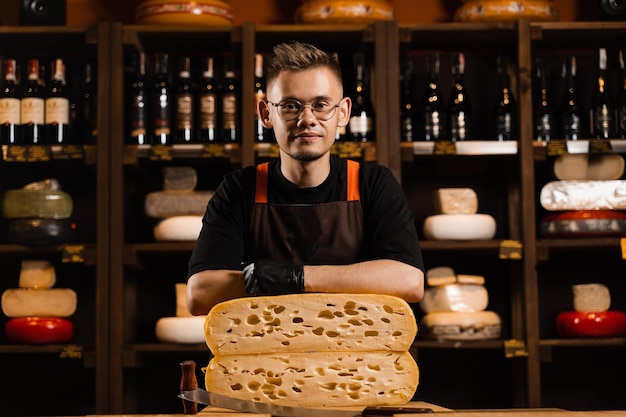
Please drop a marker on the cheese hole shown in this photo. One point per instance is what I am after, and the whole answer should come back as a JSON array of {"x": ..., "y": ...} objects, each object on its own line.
[
  {"x": 320, "y": 371},
  {"x": 338, "y": 313},
  {"x": 371, "y": 333},
  {"x": 285, "y": 343},
  {"x": 388, "y": 309},
  {"x": 297, "y": 320},
  {"x": 373, "y": 367},
  {"x": 253, "y": 319},
  {"x": 326, "y": 314},
  {"x": 385, "y": 320},
  {"x": 354, "y": 387},
  {"x": 355, "y": 322},
  {"x": 332, "y": 334},
  {"x": 279, "y": 309},
  {"x": 236, "y": 387},
  {"x": 253, "y": 386},
  {"x": 296, "y": 389},
  {"x": 236, "y": 321},
  {"x": 354, "y": 396},
  {"x": 397, "y": 333},
  {"x": 369, "y": 322},
  {"x": 329, "y": 386},
  {"x": 319, "y": 331},
  {"x": 275, "y": 381},
  {"x": 258, "y": 371},
  {"x": 268, "y": 389}
]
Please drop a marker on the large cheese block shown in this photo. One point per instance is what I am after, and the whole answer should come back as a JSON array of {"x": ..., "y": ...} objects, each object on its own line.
[
  {"x": 594, "y": 167},
  {"x": 459, "y": 227},
  {"x": 42, "y": 232},
  {"x": 316, "y": 379},
  {"x": 37, "y": 274},
  {"x": 49, "y": 204},
  {"x": 178, "y": 228},
  {"x": 183, "y": 330},
  {"x": 455, "y": 297},
  {"x": 591, "y": 297},
  {"x": 455, "y": 201},
  {"x": 164, "y": 204},
  {"x": 584, "y": 195},
  {"x": 478, "y": 325},
  {"x": 53, "y": 302},
  {"x": 312, "y": 321}
]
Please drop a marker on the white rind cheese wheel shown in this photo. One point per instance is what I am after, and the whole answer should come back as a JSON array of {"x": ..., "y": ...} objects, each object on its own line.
[
  {"x": 460, "y": 227},
  {"x": 577, "y": 167},
  {"x": 455, "y": 201},
  {"x": 53, "y": 302},
  {"x": 455, "y": 297},
  {"x": 178, "y": 228},
  {"x": 479, "y": 325},
  {"x": 184, "y": 330},
  {"x": 310, "y": 322},
  {"x": 316, "y": 379},
  {"x": 591, "y": 297},
  {"x": 37, "y": 274},
  {"x": 440, "y": 275},
  {"x": 164, "y": 204},
  {"x": 584, "y": 195}
]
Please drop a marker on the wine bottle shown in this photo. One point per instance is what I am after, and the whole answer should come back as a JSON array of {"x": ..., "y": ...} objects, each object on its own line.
[
  {"x": 57, "y": 113},
  {"x": 621, "y": 107},
  {"x": 230, "y": 103},
  {"x": 261, "y": 133},
  {"x": 506, "y": 106},
  {"x": 570, "y": 112},
  {"x": 185, "y": 104},
  {"x": 32, "y": 107},
  {"x": 460, "y": 118},
  {"x": 434, "y": 108},
  {"x": 207, "y": 99},
  {"x": 601, "y": 112},
  {"x": 545, "y": 126},
  {"x": 362, "y": 119},
  {"x": 408, "y": 108},
  {"x": 162, "y": 102},
  {"x": 137, "y": 117},
  {"x": 9, "y": 105},
  {"x": 87, "y": 109}
]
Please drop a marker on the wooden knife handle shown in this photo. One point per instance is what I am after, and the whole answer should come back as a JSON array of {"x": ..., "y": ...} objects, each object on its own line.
[
  {"x": 390, "y": 411},
  {"x": 188, "y": 382}
]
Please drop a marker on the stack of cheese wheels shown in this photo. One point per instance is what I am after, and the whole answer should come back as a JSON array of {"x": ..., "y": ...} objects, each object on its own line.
[
  {"x": 38, "y": 312},
  {"x": 178, "y": 207},
  {"x": 591, "y": 316},
  {"x": 183, "y": 327},
  {"x": 39, "y": 214},
  {"x": 455, "y": 307},
  {"x": 588, "y": 199},
  {"x": 313, "y": 350},
  {"x": 457, "y": 217}
]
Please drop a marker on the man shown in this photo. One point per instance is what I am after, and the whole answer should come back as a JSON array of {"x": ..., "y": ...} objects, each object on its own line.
[{"x": 307, "y": 221}]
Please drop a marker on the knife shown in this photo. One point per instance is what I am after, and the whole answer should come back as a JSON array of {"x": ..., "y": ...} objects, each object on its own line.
[{"x": 210, "y": 398}]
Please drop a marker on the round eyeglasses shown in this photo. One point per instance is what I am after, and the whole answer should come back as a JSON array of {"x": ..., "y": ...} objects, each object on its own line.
[{"x": 289, "y": 110}]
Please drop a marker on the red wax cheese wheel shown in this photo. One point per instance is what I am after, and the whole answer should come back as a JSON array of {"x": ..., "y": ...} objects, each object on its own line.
[
  {"x": 610, "y": 323},
  {"x": 39, "y": 330},
  {"x": 584, "y": 223}
]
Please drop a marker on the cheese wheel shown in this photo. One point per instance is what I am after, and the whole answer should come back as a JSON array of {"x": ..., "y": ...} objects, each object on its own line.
[
  {"x": 311, "y": 321},
  {"x": 455, "y": 297},
  {"x": 591, "y": 297},
  {"x": 594, "y": 167},
  {"x": 479, "y": 325},
  {"x": 460, "y": 227},
  {"x": 53, "y": 302},
  {"x": 49, "y": 204},
  {"x": 164, "y": 204},
  {"x": 455, "y": 201},
  {"x": 584, "y": 223},
  {"x": 316, "y": 379},
  {"x": 42, "y": 232},
  {"x": 584, "y": 195},
  {"x": 39, "y": 330},
  {"x": 184, "y": 330},
  {"x": 440, "y": 275},
  {"x": 178, "y": 228},
  {"x": 37, "y": 274},
  {"x": 179, "y": 178},
  {"x": 610, "y": 323}
]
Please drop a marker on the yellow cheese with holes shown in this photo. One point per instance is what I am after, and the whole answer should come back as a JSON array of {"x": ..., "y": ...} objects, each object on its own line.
[
  {"x": 310, "y": 322},
  {"x": 316, "y": 379}
]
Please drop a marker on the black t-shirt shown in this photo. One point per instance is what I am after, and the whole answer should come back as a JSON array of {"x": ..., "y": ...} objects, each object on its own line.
[{"x": 389, "y": 230}]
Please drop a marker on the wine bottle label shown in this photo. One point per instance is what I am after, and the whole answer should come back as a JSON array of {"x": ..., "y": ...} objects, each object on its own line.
[
  {"x": 602, "y": 121},
  {"x": 433, "y": 127},
  {"x": 9, "y": 111},
  {"x": 208, "y": 111},
  {"x": 184, "y": 112},
  {"x": 360, "y": 124},
  {"x": 229, "y": 112},
  {"x": 33, "y": 110},
  {"x": 57, "y": 110}
]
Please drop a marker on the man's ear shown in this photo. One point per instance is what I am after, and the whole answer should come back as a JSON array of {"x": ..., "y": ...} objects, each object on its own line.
[
  {"x": 263, "y": 110},
  {"x": 345, "y": 107}
]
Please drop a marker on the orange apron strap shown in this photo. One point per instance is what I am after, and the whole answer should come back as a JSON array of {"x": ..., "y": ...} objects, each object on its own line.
[
  {"x": 353, "y": 181},
  {"x": 261, "y": 183}
]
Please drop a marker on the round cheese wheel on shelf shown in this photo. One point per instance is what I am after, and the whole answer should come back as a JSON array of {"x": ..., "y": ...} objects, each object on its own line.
[
  {"x": 459, "y": 227},
  {"x": 205, "y": 12},
  {"x": 178, "y": 228},
  {"x": 42, "y": 232},
  {"x": 478, "y": 325},
  {"x": 39, "y": 330},
  {"x": 584, "y": 223},
  {"x": 595, "y": 167},
  {"x": 611, "y": 323},
  {"x": 185, "y": 330},
  {"x": 455, "y": 297},
  {"x": 49, "y": 204},
  {"x": 344, "y": 11}
]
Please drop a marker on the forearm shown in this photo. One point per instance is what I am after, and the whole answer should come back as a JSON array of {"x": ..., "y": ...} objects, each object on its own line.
[
  {"x": 383, "y": 276},
  {"x": 207, "y": 288}
]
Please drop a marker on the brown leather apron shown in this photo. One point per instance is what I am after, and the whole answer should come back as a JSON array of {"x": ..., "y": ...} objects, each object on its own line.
[{"x": 317, "y": 234}]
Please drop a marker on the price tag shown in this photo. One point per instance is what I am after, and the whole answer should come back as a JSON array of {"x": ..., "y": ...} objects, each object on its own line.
[
  {"x": 71, "y": 352},
  {"x": 73, "y": 254},
  {"x": 161, "y": 153},
  {"x": 213, "y": 150},
  {"x": 510, "y": 249},
  {"x": 557, "y": 147},
  {"x": 15, "y": 153},
  {"x": 444, "y": 147},
  {"x": 34, "y": 153},
  {"x": 514, "y": 349},
  {"x": 348, "y": 150},
  {"x": 69, "y": 152},
  {"x": 600, "y": 146}
]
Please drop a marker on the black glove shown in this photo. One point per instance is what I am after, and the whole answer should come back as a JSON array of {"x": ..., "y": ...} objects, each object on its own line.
[{"x": 270, "y": 277}]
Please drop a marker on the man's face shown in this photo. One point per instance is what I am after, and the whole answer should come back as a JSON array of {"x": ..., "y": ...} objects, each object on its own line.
[{"x": 306, "y": 138}]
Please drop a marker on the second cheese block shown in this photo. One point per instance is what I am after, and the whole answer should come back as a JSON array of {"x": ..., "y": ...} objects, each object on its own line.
[
  {"x": 455, "y": 201},
  {"x": 53, "y": 302},
  {"x": 316, "y": 379},
  {"x": 307, "y": 322},
  {"x": 463, "y": 298},
  {"x": 460, "y": 227},
  {"x": 37, "y": 274}
]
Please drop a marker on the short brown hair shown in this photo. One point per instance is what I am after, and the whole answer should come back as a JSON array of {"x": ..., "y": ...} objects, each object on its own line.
[{"x": 298, "y": 56}]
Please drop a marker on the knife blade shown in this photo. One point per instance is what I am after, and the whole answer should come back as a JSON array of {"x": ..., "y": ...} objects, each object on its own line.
[{"x": 210, "y": 398}]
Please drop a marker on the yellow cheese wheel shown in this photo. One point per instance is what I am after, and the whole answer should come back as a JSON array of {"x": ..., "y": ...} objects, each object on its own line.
[{"x": 310, "y": 322}]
